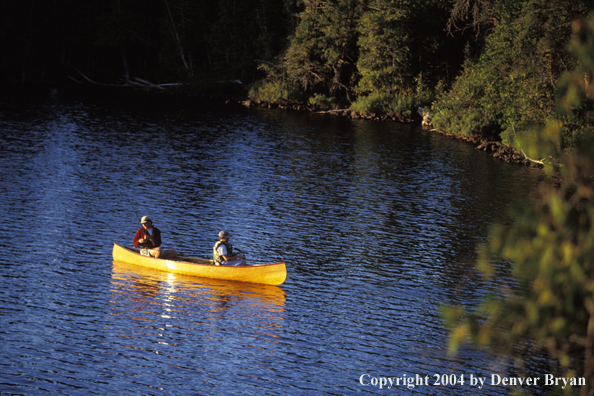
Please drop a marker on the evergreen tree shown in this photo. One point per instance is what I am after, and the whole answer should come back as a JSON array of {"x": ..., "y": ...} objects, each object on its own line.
[
  {"x": 384, "y": 63},
  {"x": 322, "y": 53}
]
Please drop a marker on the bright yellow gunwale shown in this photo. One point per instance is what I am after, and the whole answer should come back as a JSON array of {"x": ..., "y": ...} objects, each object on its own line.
[{"x": 268, "y": 274}]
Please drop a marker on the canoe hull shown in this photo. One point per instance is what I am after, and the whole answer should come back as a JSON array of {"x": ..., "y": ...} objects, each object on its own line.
[{"x": 269, "y": 274}]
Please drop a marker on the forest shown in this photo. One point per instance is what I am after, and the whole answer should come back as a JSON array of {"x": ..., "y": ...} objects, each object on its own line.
[{"x": 478, "y": 66}]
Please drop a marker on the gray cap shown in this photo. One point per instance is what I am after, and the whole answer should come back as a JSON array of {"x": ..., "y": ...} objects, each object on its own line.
[{"x": 224, "y": 234}]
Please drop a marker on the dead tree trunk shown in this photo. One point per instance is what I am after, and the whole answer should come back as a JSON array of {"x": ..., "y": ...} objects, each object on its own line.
[{"x": 179, "y": 45}]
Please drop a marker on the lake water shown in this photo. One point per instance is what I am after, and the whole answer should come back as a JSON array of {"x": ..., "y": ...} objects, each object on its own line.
[{"x": 378, "y": 223}]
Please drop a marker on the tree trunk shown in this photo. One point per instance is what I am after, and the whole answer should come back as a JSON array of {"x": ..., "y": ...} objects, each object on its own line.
[{"x": 181, "y": 51}]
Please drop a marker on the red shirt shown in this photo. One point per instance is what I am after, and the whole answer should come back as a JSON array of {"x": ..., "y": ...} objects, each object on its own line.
[{"x": 143, "y": 234}]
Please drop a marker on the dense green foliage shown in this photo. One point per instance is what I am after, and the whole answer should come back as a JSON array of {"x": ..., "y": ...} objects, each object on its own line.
[
  {"x": 485, "y": 66},
  {"x": 514, "y": 78},
  {"x": 482, "y": 66},
  {"x": 322, "y": 51},
  {"x": 550, "y": 306},
  {"x": 384, "y": 43},
  {"x": 379, "y": 55}
]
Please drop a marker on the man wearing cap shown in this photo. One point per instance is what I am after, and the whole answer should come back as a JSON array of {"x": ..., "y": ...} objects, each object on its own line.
[
  {"x": 222, "y": 252},
  {"x": 149, "y": 240}
]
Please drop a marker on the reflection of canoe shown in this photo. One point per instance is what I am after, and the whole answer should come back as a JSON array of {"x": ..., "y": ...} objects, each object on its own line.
[
  {"x": 271, "y": 297},
  {"x": 269, "y": 274},
  {"x": 150, "y": 298}
]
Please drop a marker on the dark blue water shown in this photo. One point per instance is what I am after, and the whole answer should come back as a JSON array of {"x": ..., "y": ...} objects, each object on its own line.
[{"x": 378, "y": 223}]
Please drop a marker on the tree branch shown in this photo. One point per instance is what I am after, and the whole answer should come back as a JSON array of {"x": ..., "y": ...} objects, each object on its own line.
[
  {"x": 541, "y": 162},
  {"x": 181, "y": 51},
  {"x": 135, "y": 81}
]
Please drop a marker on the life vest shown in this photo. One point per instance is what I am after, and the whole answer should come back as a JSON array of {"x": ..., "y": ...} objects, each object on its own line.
[{"x": 215, "y": 254}]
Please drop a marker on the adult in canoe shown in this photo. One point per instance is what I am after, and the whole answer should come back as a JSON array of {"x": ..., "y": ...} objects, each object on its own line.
[
  {"x": 222, "y": 252},
  {"x": 148, "y": 238}
]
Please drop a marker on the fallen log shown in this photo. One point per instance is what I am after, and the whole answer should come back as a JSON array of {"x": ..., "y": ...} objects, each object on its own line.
[{"x": 135, "y": 81}]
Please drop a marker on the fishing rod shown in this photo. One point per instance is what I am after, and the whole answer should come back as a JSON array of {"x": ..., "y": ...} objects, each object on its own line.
[
  {"x": 132, "y": 206},
  {"x": 129, "y": 201}
]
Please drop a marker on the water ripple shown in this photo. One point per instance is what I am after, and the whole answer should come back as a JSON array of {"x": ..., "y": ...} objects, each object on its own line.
[{"x": 378, "y": 223}]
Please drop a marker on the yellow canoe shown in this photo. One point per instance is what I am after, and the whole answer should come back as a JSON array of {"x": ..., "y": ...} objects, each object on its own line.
[{"x": 268, "y": 274}]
